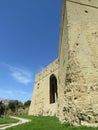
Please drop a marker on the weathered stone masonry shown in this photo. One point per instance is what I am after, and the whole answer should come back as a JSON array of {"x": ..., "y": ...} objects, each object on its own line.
[
  {"x": 76, "y": 99},
  {"x": 44, "y": 100}
]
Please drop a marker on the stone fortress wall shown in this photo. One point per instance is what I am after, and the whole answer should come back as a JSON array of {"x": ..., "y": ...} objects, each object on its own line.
[
  {"x": 78, "y": 62},
  {"x": 40, "y": 104},
  {"x": 77, "y": 76}
]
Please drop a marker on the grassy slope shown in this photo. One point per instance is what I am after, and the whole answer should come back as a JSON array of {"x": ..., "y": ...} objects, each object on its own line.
[
  {"x": 46, "y": 123},
  {"x": 7, "y": 120}
]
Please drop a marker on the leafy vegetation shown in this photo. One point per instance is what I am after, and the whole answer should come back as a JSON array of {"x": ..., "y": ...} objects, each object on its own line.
[
  {"x": 27, "y": 103},
  {"x": 13, "y": 107},
  {"x": 1, "y": 108},
  {"x": 7, "y": 120},
  {"x": 47, "y": 123}
]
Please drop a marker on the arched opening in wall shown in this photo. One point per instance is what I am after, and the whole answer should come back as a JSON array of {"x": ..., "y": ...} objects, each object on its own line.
[{"x": 53, "y": 89}]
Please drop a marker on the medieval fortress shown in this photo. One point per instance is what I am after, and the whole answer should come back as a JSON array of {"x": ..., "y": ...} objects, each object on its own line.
[{"x": 68, "y": 87}]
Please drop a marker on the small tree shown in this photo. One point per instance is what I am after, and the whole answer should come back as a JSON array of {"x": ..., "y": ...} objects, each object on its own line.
[
  {"x": 27, "y": 103},
  {"x": 2, "y": 108},
  {"x": 12, "y": 106}
]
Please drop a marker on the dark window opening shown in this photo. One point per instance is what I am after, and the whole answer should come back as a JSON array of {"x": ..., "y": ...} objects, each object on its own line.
[{"x": 53, "y": 89}]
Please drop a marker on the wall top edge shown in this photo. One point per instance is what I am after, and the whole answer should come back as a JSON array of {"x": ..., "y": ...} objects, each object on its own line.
[
  {"x": 52, "y": 65},
  {"x": 92, "y": 3}
]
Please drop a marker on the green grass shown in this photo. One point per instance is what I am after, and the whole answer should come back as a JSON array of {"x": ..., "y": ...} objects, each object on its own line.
[
  {"x": 46, "y": 123},
  {"x": 7, "y": 120}
]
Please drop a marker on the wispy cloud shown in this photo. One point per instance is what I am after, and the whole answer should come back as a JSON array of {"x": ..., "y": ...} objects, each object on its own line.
[{"x": 19, "y": 74}]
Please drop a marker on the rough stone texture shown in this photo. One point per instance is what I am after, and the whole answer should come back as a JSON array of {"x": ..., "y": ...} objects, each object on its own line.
[
  {"x": 40, "y": 104},
  {"x": 78, "y": 66},
  {"x": 80, "y": 80}
]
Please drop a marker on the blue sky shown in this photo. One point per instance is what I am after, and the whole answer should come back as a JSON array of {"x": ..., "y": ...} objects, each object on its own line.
[{"x": 29, "y": 37}]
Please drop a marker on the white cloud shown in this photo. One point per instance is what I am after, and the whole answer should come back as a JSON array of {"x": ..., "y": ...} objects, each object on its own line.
[{"x": 21, "y": 75}]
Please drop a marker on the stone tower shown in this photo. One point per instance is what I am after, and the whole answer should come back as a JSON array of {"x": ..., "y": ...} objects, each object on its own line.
[
  {"x": 75, "y": 70},
  {"x": 78, "y": 62}
]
